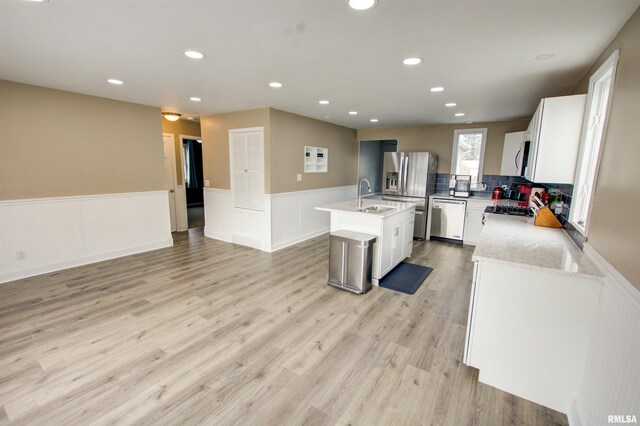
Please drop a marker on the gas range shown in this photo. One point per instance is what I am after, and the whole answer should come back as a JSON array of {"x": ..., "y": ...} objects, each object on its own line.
[{"x": 510, "y": 210}]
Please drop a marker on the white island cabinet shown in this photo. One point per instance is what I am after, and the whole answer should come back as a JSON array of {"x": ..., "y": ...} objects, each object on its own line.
[
  {"x": 532, "y": 311},
  {"x": 392, "y": 228}
]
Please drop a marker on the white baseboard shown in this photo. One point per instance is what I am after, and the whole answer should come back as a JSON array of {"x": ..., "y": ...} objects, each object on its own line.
[
  {"x": 72, "y": 263},
  {"x": 298, "y": 239},
  {"x": 217, "y": 235},
  {"x": 48, "y": 234}
]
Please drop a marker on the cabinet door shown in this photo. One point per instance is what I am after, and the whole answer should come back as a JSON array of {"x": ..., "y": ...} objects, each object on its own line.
[
  {"x": 530, "y": 167},
  {"x": 473, "y": 223},
  {"x": 397, "y": 243},
  {"x": 407, "y": 240},
  {"x": 386, "y": 254},
  {"x": 512, "y": 154}
]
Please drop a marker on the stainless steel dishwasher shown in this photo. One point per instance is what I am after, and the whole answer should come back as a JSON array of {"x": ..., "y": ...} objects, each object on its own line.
[{"x": 447, "y": 220}]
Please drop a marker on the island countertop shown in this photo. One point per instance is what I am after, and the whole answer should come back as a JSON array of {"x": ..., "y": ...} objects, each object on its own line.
[
  {"x": 351, "y": 206},
  {"x": 515, "y": 240}
]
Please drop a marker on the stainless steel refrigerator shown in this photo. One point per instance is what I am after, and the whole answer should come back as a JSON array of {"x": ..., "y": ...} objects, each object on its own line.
[{"x": 411, "y": 176}]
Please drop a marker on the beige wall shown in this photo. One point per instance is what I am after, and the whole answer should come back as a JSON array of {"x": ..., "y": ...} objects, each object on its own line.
[
  {"x": 613, "y": 228},
  {"x": 290, "y": 133},
  {"x": 438, "y": 139},
  {"x": 215, "y": 143},
  {"x": 56, "y": 143},
  {"x": 177, "y": 128},
  {"x": 285, "y": 136}
]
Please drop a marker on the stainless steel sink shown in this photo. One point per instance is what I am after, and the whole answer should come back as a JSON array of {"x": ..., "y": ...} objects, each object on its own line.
[{"x": 376, "y": 209}]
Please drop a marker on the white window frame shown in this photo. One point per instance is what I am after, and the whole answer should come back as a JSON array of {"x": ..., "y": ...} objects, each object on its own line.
[
  {"x": 609, "y": 66},
  {"x": 454, "y": 153}
]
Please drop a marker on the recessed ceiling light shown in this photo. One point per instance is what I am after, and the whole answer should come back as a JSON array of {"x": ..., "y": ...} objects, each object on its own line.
[
  {"x": 275, "y": 84},
  {"x": 353, "y": 112},
  {"x": 195, "y": 99},
  {"x": 544, "y": 57},
  {"x": 374, "y": 120},
  {"x": 189, "y": 118},
  {"x": 412, "y": 61},
  {"x": 327, "y": 116},
  {"x": 115, "y": 81},
  {"x": 450, "y": 104},
  {"x": 323, "y": 102},
  {"x": 437, "y": 89},
  {"x": 459, "y": 114},
  {"x": 39, "y": 1},
  {"x": 469, "y": 122},
  {"x": 194, "y": 54},
  {"x": 362, "y": 4}
]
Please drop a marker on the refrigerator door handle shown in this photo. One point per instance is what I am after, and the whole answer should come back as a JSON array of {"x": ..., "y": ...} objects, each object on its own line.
[{"x": 405, "y": 166}]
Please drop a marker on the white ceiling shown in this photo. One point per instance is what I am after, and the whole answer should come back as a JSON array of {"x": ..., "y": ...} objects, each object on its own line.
[{"x": 482, "y": 52}]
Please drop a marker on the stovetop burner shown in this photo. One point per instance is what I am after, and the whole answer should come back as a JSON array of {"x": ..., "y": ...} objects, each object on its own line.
[{"x": 509, "y": 210}]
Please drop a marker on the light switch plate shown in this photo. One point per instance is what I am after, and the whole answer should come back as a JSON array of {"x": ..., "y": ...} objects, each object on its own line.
[
  {"x": 299, "y": 177},
  {"x": 206, "y": 182}
]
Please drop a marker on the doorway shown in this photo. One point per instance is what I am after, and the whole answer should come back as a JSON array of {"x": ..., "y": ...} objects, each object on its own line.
[
  {"x": 371, "y": 160},
  {"x": 193, "y": 180},
  {"x": 170, "y": 174}
]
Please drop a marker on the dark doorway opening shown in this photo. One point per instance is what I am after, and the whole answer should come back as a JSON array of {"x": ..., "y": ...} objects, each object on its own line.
[{"x": 194, "y": 181}]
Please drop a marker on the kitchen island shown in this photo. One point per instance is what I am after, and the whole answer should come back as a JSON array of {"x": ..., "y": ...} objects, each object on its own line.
[
  {"x": 390, "y": 222},
  {"x": 532, "y": 311}
]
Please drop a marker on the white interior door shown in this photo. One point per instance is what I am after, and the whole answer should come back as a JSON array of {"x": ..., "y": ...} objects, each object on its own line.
[{"x": 170, "y": 172}]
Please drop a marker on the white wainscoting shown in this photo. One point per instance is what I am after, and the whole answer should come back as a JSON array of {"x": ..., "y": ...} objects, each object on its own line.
[
  {"x": 48, "y": 234},
  {"x": 294, "y": 217},
  {"x": 288, "y": 217},
  {"x": 611, "y": 385},
  {"x": 239, "y": 226}
]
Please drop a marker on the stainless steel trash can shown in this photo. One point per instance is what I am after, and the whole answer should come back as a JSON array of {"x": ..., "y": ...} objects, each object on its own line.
[{"x": 350, "y": 256}]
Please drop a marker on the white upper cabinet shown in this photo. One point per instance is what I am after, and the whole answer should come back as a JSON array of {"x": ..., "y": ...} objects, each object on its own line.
[
  {"x": 555, "y": 139},
  {"x": 512, "y": 153}
]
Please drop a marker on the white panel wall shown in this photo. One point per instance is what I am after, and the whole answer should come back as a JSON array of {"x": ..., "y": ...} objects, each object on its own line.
[
  {"x": 294, "y": 217},
  {"x": 288, "y": 217},
  {"x": 611, "y": 385},
  {"x": 49, "y": 234},
  {"x": 240, "y": 226}
]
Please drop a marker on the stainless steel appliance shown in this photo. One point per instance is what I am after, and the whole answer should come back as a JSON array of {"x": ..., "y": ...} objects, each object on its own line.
[
  {"x": 448, "y": 217},
  {"x": 411, "y": 177}
]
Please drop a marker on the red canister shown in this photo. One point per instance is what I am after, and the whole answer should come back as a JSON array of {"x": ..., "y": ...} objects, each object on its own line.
[{"x": 497, "y": 193}]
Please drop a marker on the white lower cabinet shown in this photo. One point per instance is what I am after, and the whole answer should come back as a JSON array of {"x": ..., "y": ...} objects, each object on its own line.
[
  {"x": 394, "y": 236},
  {"x": 473, "y": 222},
  {"x": 529, "y": 330}
]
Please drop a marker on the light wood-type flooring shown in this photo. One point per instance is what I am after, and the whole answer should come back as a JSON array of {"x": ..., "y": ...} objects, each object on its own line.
[{"x": 207, "y": 332}]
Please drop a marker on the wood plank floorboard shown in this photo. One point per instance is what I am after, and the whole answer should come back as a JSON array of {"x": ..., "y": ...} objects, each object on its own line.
[{"x": 207, "y": 332}]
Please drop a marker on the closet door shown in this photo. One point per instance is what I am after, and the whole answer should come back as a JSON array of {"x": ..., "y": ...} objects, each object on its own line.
[{"x": 246, "y": 153}]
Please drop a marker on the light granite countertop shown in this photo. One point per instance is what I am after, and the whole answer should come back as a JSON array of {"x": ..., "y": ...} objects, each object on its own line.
[
  {"x": 515, "y": 240},
  {"x": 351, "y": 206}
]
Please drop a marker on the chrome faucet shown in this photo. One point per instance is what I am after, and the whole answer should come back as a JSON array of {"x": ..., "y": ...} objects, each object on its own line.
[{"x": 360, "y": 194}]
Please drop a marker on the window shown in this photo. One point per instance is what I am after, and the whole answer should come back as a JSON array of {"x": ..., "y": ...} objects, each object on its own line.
[
  {"x": 468, "y": 153},
  {"x": 598, "y": 100}
]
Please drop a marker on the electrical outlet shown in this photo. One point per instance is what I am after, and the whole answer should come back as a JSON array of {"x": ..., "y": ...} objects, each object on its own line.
[
  {"x": 21, "y": 255},
  {"x": 299, "y": 177},
  {"x": 206, "y": 182}
]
